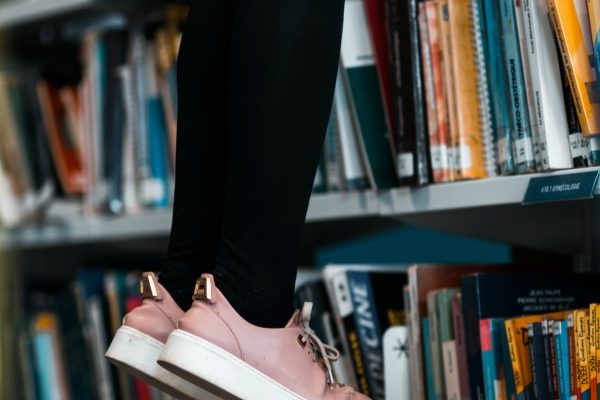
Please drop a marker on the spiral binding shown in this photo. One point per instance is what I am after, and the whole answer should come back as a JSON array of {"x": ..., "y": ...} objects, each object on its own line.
[{"x": 485, "y": 109}]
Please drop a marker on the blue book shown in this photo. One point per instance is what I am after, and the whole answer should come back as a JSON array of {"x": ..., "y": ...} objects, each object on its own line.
[
  {"x": 537, "y": 354},
  {"x": 428, "y": 362},
  {"x": 499, "y": 86},
  {"x": 376, "y": 307},
  {"x": 521, "y": 126},
  {"x": 561, "y": 342}
]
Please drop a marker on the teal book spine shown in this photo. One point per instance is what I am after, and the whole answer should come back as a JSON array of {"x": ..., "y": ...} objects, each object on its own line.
[
  {"x": 360, "y": 72},
  {"x": 157, "y": 150},
  {"x": 561, "y": 342},
  {"x": 499, "y": 82},
  {"x": 428, "y": 363},
  {"x": 44, "y": 364},
  {"x": 523, "y": 150}
]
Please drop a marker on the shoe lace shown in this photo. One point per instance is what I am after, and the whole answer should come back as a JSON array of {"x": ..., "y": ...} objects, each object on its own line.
[{"x": 320, "y": 351}]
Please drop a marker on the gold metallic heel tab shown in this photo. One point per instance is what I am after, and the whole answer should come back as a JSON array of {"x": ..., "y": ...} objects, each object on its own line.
[
  {"x": 148, "y": 288},
  {"x": 204, "y": 289}
]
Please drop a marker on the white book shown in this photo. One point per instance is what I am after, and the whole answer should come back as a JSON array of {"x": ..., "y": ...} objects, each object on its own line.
[
  {"x": 354, "y": 170},
  {"x": 395, "y": 363},
  {"x": 549, "y": 117}
]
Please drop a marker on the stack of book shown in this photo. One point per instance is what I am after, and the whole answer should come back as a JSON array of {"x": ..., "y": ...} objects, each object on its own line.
[
  {"x": 445, "y": 90},
  {"x": 59, "y": 347},
  {"x": 106, "y": 140}
]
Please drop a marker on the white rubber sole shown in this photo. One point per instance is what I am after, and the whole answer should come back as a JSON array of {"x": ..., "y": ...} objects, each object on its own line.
[
  {"x": 218, "y": 371},
  {"x": 137, "y": 353}
]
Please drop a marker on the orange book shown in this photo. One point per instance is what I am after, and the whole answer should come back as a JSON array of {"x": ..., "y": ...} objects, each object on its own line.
[
  {"x": 63, "y": 144},
  {"x": 578, "y": 65},
  {"x": 466, "y": 95}
]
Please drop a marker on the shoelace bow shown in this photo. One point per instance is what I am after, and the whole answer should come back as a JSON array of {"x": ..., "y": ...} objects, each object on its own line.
[{"x": 320, "y": 351}]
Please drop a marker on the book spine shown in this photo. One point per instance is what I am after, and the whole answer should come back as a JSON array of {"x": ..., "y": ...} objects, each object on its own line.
[
  {"x": 509, "y": 381},
  {"x": 483, "y": 88},
  {"x": 582, "y": 366},
  {"x": 522, "y": 138},
  {"x": 465, "y": 67},
  {"x": 461, "y": 347},
  {"x": 436, "y": 346},
  {"x": 440, "y": 158},
  {"x": 360, "y": 74},
  {"x": 549, "y": 106},
  {"x": 369, "y": 334},
  {"x": 513, "y": 336},
  {"x": 332, "y": 153},
  {"x": 561, "y": 344},
  {"x": 592, "y": 351},
  {"x": 594, "y": 15},
  {"x": 435, "y": 153},
  {"x": 470, "y": 303},
  {"x": 488, "y": 358},
  {"x": 428, "y": 361},
  {"x": 596, "y": 340},
  {"x": 453, "y": 153},
  {"x": 576, "y": 59},
  {"x": 499, "y": 88},
  {"x": 417, "y": 342},
  {"x": 449, "y": 350},
  {"x": 551, "y": 361},
  {"x": 572, "y": 355}
]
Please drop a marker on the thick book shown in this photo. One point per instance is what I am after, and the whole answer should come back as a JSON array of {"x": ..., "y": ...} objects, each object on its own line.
[
  {"x": 561, "y": 344},
  {"x": 550, "y": 349},
  {"x": 412, "y": 161},
  {"x": 423, "y": 279},
  {"x": 499, "y": 87},
  {"x": 521, "y": 126},
  {"x": 360, "y": 74},
  {"x": 492, "y": 358},
  {"x": 448, "y": 341},
  {"x": 461, "y": 346},
  {"x": 376, "y": 309},
  {"x": 538, "y": 361},
  {"x": 576, "y": 55},
  {"x": 439, "y": 137},
  {"x": 521, "y": 294},
  {"x": 354, "y": 171},
  {"x": 582, "y": 361},
  {"x": 548, "y": 116},
  {"x": 395, "y": 356}
]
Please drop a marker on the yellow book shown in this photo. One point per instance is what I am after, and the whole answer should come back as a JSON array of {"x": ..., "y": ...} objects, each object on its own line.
[
  {"x": 596, "y": 340},
  {"x": 592, "y": 348},
  {"x": 578, "y": 64},
  {"x": 443, "y": 9},
  {"x": 582, "y": 366},
  {"x": 471, "y": 155},
  {"x": 518, "y": 346}
]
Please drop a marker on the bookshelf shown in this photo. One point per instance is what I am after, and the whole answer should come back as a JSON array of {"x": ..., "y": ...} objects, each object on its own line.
[
  {"x": 477, "y": 208},
  {"x": 18, "y": 12}
]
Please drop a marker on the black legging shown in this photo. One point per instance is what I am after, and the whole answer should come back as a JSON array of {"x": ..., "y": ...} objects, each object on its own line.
[{"x": 256, "y": 81}]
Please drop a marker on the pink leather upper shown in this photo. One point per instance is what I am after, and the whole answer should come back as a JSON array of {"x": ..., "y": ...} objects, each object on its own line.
[
  {"x": 275, "y": 352},
  {"x": 156, "y": 317}
]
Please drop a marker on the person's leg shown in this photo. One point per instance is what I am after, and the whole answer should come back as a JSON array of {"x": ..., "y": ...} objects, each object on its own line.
[
  {"x": 282, "y": 70},
  {"x": 201, "y": 147}
]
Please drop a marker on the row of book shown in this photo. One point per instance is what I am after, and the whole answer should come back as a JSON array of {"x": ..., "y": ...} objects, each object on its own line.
[
  {"x": 404, "y": 332},
  {"x": 459, "y": 331},
  {"x": 107, "y": 138},
  {"x": 59, "y": 346},
  {"x": 444, "y": 90}
]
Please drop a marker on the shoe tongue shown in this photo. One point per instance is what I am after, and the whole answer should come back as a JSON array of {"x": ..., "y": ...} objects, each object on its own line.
[{"x": 294, "y": 320}]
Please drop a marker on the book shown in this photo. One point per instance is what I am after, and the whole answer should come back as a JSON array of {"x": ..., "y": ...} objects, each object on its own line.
[
  {"x": 492, "y": 358},
  {"x": 523, "y": 294},
  {"x": 448, "y": 342},
  {"x": 548, "y": 114},
  {"x": 499, "y": 87},
  {"x": 576, "y": 59},
  {"x": 550, "y": 350},
  {"x": 582, "y": 367},
  {"x": 521, "y": 126},
  {"x": 437, "y": 363},
  {"x": 354, "y": 169},
  {"x": 440, "y": 137},
  {"x": 538, "y": 361},
  {"x": 594, "y": 15},
  {"x": 461, "y": 346},
  {"x": 592, "y": 351},
  {"x": 375, "y": 310},
  {"x": 360, "y": 74},
  {"x": 412, "y": 161},
  {"x": 561, "y": 344},
  {"x": 395, "y": 356},
  {"x": 429, "y": 379}
]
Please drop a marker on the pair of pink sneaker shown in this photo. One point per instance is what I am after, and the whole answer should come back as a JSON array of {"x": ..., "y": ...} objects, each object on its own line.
[{"x": 211, "y": 352}]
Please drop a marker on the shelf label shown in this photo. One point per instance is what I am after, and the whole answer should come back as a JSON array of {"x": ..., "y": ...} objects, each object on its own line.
[{"x": 575, "y": 186}]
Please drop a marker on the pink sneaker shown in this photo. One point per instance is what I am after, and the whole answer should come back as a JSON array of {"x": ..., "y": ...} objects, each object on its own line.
[
  {"x": 215, "y": 348},
  {"x": 138, "y": 343}
]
